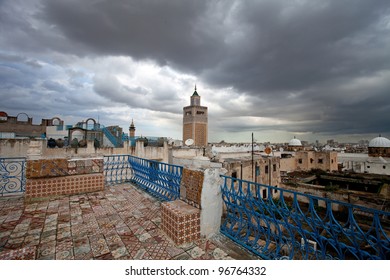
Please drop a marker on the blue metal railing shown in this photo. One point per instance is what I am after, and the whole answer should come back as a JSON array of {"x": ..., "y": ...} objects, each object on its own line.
[
  {"x": 117, "y": 169},
  {"x": 12, "y": 176},
  {"x": 160, "y": 179},
  {"x": 281, "y": 224}
]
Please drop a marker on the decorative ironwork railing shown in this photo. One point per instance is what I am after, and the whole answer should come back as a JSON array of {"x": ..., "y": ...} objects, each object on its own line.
[
  {"x": 281, "y": 224},
  {"x": 160, "y": 179},
  {"x": 117, "y": 169},
  {"x": 12, "y": 176}
]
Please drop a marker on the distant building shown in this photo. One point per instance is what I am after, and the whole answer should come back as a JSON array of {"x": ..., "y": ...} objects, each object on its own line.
[
  {"x": 263, "y": 169},
  {"x": 308, "y": 160},
  {"x": 21, "y": 126},
  {"x": 377, "y": 161},
  {"x": 195, "y": 120},
  {"x": 379, "y": 147},
  {"x": 295, "y": 145}
]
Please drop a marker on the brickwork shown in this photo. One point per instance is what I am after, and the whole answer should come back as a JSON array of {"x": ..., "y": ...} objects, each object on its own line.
[
  {"x": 46, "y": 187},
  {"x": 201, "y": 134},
  {"x": 187, "y": 131},
  {"x": 180, "y": 221},
  {"x": 195, "y": 119},
  {"x": 191, "y": 187}
]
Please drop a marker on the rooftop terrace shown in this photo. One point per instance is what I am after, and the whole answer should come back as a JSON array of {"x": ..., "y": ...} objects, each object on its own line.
[{"x": 121, "y": 222}]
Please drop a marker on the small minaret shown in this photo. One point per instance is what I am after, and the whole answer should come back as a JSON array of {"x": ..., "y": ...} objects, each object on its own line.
[{"x": 132, "y": 129}]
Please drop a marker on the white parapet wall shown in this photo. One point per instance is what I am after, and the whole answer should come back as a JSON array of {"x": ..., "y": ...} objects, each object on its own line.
[{"x": 211, "y": 201}]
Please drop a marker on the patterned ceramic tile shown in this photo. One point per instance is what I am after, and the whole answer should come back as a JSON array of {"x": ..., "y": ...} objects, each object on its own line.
[
  {"x": 120, "y": 252},
  {"x": 98, "y": 245},
  {"x": 65, "y": 254},
  {"x": 196, "y": 252},
  {"x": 121, "y": 222},
  {"x": 26, "y": 253},
  {"x": 46, "y": 249},
  {"x": 183, "y": 256},
  {"x": 219, "y": 254},
  {"x": 158, "y": 252}
]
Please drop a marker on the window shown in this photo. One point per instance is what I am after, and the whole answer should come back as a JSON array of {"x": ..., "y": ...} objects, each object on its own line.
[
  {"x": 234, "y": 174},
  {"x": 332, "y": 160},
  {"x": 257, "y": 170},
  {"x": 264, "y": 194},
  {"x": 368, "y": 166},
  {"x": 320, "y": 161},
  {"x": 311, "y": 160},
  {"x": 188, "y": 113},
  {"x": 274, "y": 167},
  {"x": 384, "y": 166},
  {"x": 300, "y": 161},
  {"x": 266, "y": 169},
  {"x": 199, "y": 113}
]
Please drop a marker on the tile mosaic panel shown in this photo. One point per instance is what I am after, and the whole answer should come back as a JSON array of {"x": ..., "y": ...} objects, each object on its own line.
[
  {"x": 44, "y": 168},
  {"x": 191, "y": 186},
  {"x": 180, "y": 221},
  {"x": 85, "y": 166},
  {"x": 97, "y": 165}
]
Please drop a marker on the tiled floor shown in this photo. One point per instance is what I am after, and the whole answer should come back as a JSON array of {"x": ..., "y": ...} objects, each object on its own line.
[{"x": 121, "y": 222}]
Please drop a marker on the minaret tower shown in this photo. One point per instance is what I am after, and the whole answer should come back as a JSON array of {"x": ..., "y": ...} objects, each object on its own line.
[
  {"x": 132, "y": 129},
  {"x": 195, "y": 122}
]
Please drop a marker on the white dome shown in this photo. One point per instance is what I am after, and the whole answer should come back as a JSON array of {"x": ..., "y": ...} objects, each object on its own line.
[
  {"x": 295, "y": 142},
  {"x": 379, "y": 142}
]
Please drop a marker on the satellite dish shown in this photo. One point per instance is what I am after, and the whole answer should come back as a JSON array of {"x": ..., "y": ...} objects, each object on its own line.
[
  {"x": 281, "y": 149},
  {"x": 268, "y": 150},
  {"x": 189, "y": 142}
]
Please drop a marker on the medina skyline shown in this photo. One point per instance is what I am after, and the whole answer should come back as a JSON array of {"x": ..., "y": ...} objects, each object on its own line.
[{"x": 310, "y": 69}]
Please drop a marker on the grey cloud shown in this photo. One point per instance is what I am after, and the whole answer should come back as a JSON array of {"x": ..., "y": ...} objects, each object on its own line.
[
  {"x": 155, "y": 98},
  {"x": 291, "y": 60},
  {"x": 53, "y": 86}
]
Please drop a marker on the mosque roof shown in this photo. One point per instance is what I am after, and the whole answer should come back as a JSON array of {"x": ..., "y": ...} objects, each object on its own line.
[
  {"x": 379, "y": 142},
  {"x": 295, "y": 142}
]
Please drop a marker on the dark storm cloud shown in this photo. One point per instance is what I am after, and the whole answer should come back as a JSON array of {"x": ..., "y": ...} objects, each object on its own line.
[
  {"x": 322, "y": 66},
  {"x": 169, "y": 32}
]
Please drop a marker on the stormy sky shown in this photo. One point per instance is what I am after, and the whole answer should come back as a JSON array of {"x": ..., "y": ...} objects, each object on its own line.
[{"x": 315, "y": 69}]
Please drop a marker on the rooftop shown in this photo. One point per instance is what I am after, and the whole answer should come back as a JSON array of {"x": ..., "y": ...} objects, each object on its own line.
[{"x": 121, "y": 222}]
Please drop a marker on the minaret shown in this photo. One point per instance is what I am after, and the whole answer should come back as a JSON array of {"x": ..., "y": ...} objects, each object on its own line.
[
  {"x": 132, "y": 129},
  {"x": 195, "y": 122}
]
